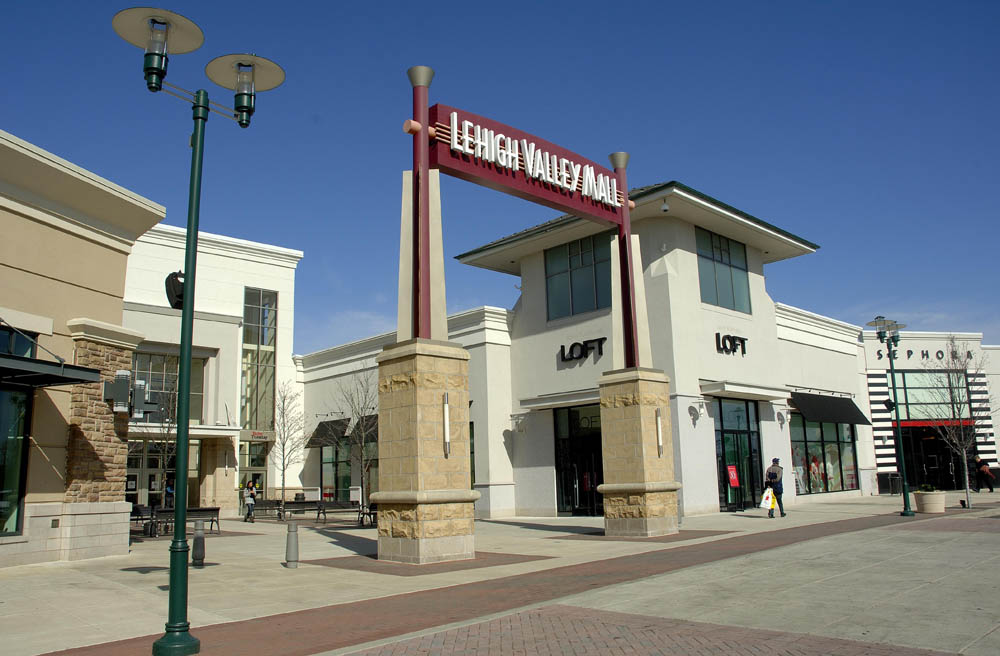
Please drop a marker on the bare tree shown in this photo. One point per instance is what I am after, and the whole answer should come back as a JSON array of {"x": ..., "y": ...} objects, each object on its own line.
[
  {"x": 289, "y": 437},
  {"x": 357, "y": 398},
  {"x": 950, "y": 407},
  {"x": 166, "y": 437}
]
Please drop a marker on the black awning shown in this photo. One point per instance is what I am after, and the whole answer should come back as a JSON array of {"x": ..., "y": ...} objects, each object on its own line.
[
  {"x": 328, "y": 433},
  {"x": 366, "y": 428},
  {"x": 31, "y": 372},
  {"x": 838, "y": 409}
]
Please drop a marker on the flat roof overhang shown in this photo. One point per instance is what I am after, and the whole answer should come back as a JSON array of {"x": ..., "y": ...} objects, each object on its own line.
[
  {"x": 686, "y": 204},
  {"x": 31, "y": 372},
  {"x": 736, "y": 390}
]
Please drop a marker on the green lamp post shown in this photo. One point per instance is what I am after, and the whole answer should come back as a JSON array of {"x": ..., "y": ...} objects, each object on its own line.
[
  {"x": 161, "y": 33},
  {"x": 887, "y": 331}
]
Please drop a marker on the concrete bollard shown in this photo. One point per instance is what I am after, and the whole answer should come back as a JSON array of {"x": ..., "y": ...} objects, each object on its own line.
[
  {"x": 198, "y": 544},
  {"x": 292, "y": 546}
]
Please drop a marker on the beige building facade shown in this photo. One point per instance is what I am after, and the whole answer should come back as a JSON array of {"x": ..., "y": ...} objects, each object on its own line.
[{"x": 67, "y": 237}]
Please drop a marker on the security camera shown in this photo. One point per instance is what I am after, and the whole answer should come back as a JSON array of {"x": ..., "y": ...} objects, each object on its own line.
[{"x": 665, "y": 207}]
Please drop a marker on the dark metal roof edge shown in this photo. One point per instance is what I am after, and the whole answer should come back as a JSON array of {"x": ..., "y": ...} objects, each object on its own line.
[
  {"x": 33, "y": 366},
  {"x": 634, "y": 194}
]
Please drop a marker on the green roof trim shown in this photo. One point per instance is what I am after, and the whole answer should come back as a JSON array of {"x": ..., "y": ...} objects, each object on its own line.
[{"x": 635, "y": 194}]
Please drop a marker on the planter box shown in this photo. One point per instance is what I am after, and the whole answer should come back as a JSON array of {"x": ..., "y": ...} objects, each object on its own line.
[{"x": 929, "y": 502}]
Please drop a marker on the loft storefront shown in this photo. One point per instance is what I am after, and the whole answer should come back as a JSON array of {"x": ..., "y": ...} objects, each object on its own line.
[{"x": 733, "y": 357}]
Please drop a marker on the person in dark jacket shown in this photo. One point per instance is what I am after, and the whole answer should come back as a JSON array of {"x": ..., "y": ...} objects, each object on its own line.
[
  {"x": 772, "y": 479},
  {"x": 983, "y": 475}
]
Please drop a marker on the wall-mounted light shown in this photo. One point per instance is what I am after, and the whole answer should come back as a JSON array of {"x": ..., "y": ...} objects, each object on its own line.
[
  {"x": 780, "y": 416},
  {"x": 659, "y": 434},
  {"x": 447, "y": 428}
]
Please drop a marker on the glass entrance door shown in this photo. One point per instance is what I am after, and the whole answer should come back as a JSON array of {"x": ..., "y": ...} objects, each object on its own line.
[
  {"x": 579, "y": 464},
  {"x": 737, "y": 450},
  {"x": 929, "y": 460}
]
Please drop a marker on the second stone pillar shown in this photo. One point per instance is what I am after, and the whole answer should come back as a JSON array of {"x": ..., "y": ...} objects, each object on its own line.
[
  {"x": 425, "y": 501},
  {"x": 640, "y": 492}
]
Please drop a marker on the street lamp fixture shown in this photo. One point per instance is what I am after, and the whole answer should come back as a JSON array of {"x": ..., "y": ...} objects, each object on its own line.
[
  {"x": 887, "y": 332},
  {"x": 160, "y": 33}
]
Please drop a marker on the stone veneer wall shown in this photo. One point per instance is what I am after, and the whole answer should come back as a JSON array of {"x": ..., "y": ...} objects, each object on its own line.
[
  {"x": 425, "y": 500},
  {"x": 640, "y": 494},
  {"x": 97, "y": 447}
]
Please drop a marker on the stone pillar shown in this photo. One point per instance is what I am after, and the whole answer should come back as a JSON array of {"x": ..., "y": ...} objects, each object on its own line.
[
  {"x": 97, "y": 445},
  {"x": 425, "y": 504},
  {"x": 640, "y": 492}
]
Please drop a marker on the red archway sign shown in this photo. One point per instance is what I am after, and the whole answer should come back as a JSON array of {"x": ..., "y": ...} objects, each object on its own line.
[{"x": 488, "y": 153}]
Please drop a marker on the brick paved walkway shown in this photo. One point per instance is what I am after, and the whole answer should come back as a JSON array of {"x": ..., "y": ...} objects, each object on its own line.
[
  {"x": 308, "y": 632},
  {"x": 571, "y": 631}
]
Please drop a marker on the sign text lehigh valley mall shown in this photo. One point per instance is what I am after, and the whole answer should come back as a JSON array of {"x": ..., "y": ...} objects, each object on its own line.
[
  {"x": 497, "y": 148},
  {"x": 489, "y": 153}
]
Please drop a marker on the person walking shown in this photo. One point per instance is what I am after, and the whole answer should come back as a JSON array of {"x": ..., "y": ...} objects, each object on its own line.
[
  {"x": 250, "y": 499},
  {"x": 983, "y": 475},
  {"x": 772, "y": 479}
]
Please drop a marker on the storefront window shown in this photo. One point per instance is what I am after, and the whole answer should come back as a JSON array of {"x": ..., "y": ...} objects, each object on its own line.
[
  {"x": 160, "y": 372},
  {"x": 260, "y": 336},
  {"x": 823, "y": 456},
  {"x": 14, "y": 421},
  {"x": 17, "y": 343},
  {"x": 722, "y": 271},
  {"x": 578, "y": 276},
  {"x": 335, "y": 474},
  {"x": 928, "y": 395}
]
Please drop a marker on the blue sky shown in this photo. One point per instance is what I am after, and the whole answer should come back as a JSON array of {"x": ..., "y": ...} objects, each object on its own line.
[{"x": 866, "y": 127}]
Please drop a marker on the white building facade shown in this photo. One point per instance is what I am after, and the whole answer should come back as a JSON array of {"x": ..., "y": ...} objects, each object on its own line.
[
  {"x": 241, "y": 356},
  {"x": 750, "y": 379}
]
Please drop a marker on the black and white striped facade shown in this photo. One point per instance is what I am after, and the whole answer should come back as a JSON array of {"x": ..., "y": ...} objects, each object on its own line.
[{"x": 914, "y": 350}]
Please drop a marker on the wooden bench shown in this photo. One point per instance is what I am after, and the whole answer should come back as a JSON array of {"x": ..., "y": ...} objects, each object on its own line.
[
  {"x": 165, "y": 517},
  {"x": 369, "y": 512},
  {"x": 267, "y": 506},
  {"x": 303, "y": 507}
]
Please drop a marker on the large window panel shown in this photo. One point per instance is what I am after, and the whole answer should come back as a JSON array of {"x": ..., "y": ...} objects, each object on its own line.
[
  {"x": 260, "y": 337},
  {"x": 723, "y": 276},
  {"x": 800, "y": 465},
  {"x": 15, "y": 407},
  {"x": 834, "y": 483},
  {"x": 823, "y": 455},
  {"x": 817, "y": 474},
  {"x": 578, "y": 276}
]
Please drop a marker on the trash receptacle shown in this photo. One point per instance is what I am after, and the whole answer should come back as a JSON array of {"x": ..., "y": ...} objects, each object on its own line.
[{"x": 895, "y": 484}]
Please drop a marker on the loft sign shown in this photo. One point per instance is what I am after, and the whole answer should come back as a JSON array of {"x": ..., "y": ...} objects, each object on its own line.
[
  {"x": 730, "y": 344},
  {"x": 580, "y": 350},
  {"x": 507, "y": 153}
]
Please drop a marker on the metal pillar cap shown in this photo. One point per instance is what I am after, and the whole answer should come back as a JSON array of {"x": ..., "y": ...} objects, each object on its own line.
[
  {"x": 420, "y": 76},
  {"x": 618, "y": 160}
]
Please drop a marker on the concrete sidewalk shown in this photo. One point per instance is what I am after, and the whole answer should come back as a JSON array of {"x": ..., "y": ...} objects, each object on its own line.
[{"x": 850, "y": 569}]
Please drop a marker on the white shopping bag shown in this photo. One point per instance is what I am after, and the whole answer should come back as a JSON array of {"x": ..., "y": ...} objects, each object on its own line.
[{"x": 767, "y": 501}]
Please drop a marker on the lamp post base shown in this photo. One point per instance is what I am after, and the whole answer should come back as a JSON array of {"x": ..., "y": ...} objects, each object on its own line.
[
  {"x": 906, "y": 513},
  {"x": 179, "y": 643}
]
